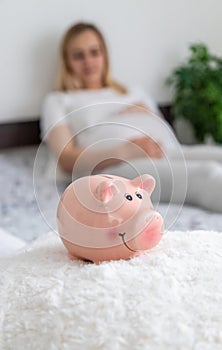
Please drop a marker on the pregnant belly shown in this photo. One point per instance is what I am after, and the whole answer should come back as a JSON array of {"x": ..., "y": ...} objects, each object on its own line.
[{"x": 118, "y": 128}]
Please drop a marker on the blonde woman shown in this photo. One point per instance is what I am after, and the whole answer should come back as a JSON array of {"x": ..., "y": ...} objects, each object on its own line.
[
  {"x": 92, "y": 123},
  {"x": 84, "y": 79}
]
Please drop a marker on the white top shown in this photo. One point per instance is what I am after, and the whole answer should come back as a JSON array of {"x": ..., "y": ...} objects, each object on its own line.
[
  {"x": 87, "y": 113},
  {"x": 80, "y": 106}
]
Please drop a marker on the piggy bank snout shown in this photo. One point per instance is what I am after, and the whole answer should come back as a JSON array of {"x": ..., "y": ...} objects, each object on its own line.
[
  {"x": 148, "y": 219},
  {"x": 155, "y": 222},
  {"x": 153, "y": 217},
  {"x": 152, "y": 232}
]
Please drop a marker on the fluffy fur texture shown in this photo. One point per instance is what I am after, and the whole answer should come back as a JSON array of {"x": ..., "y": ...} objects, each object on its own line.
[
  {"x": 169, "y": 298},
  {"x": 9, "y": 243}
]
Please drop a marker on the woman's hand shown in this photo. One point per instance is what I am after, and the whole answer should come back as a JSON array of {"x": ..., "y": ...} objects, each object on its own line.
[
  {"x": 136, "y": 107},
  {"x": 145, "y": 144}
]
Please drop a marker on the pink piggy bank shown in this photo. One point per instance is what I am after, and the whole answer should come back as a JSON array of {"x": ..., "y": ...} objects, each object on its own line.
[{"x": 106, "y": 217}]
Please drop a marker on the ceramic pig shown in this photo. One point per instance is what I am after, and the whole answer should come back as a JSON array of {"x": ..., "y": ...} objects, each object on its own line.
[{"x": 105, "y": 217}]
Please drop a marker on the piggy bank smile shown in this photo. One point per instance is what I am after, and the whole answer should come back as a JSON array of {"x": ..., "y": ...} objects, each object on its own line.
[{"x": 124, "y": 242}]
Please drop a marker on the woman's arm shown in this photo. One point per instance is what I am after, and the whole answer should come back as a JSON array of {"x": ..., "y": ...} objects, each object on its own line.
[
  {"x": 62, "y": 145},
  {"x": 64, "y": 148}
]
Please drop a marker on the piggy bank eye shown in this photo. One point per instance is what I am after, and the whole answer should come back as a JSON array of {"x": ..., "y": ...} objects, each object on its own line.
[
  {"x": 128, "y": 197},
  {"x": 139, "y": 195}
]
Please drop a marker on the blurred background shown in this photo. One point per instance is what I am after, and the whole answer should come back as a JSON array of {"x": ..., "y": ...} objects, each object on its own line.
[{"x": 146, "y": 40}]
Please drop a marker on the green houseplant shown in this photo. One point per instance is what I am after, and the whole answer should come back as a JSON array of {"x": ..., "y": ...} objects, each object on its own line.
[{"x": 197, "y": 87}]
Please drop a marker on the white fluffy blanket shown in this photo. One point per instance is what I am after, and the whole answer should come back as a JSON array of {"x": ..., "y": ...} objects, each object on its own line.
[{"x": 170, "y": 298}]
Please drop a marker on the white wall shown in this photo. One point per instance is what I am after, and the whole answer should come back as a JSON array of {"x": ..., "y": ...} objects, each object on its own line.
[{"x": 146, "y": 38}]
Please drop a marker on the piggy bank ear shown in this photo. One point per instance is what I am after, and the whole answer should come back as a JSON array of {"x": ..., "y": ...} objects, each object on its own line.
[
  {"x": 106, "y": 190},
  {"x": 146, "y": 182}
]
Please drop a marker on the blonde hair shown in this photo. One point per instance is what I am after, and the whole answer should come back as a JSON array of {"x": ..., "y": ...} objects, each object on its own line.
[{"x": 66, "y": 80}]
